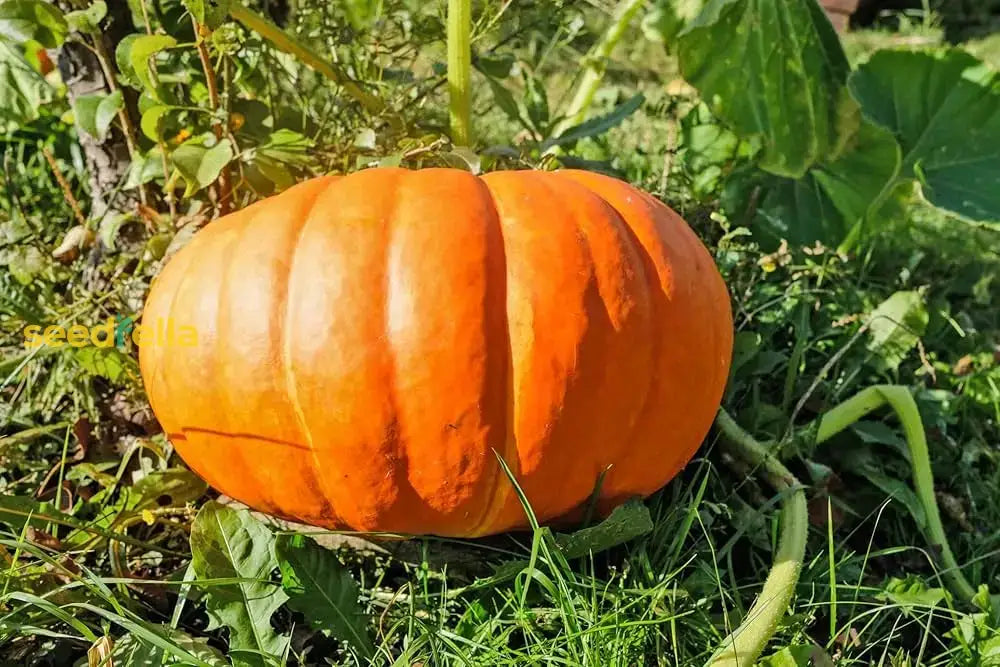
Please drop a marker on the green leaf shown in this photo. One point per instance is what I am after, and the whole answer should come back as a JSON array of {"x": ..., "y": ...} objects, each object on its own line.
[
  {"x": 912, "y": 593},
  {"x": 773, "y": 69},
  {"x": 106, "y": 362},
  {"x": 145, "y": 168},
  {"x": 362, "y": 13},
  {"x": 668, "y": 18},
  {"x": 898, "y": 490},
  {"x": 896, "y": 325},
  {"x": 536, "y": 102},
  {"x": 599, "y": 125},
  {"x": 130, "y": 650},
  {"x": 210, "y": 13},
  {"x": 22, "y": 90},
  {"x": 625, "y": 523},
  {"x": 201, "y": 166},
  {"x": 494, "y": 65},
  {"x": 505, "y": 100},
  {"x": 320, "y": 588},
  {"x": 232, "y": 544},
  {"x": 134, "y": 54},
  {"x": 173, "y": 487},
  {"x": 25, "y": 263},
  {"x": 834, "y": 196},
  {"x": 151, "y": 120},
  {"x": 95, "y": 113},
  {"x": 88, "y": 20},
  {"x": 799, "y": 655},
  {"x": 23, "y": 20},
  {"x": 109, "y": 227},
  {"x": 287, "y": 146},
  {"x": 16, "y": 510},
  {"x": 944, "y": 108}
]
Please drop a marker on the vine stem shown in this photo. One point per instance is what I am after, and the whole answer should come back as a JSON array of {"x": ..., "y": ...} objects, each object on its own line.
[
  {"x": 596, "y": 65},
  {"x": 460, "y": 70},
  {"x": 901, "y": 401},
  {"x": 745, "y": 644},
  {"x": 289, "y": 44}
]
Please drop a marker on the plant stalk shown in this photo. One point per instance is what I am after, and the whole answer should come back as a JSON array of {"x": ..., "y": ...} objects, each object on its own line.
[
  {"x": 745, "y": 644},
  {"x": 282, "y": 41},
  {"x": 901, "y": 401},
  {"x": 596, "y": 65},
  {"x": 460, "y": 70},
  {"x": 225, "y": 193}
]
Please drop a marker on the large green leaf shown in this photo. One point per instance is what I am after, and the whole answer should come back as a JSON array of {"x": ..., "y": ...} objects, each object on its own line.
[
  {"x": 210, "y": 13},
  {"x": 22, "y": 90},
  {"x": 23, "y": 20},
  {"x": 232, "y": 544},
  {"x": 833, "y": 197},
  {"x": 200, "y": 166},
  {"x": 625, "y": 523},
  {"x": 134, "y": 54},
  {"x": 95, "y": 113},
  {"x": 896, "y": 326},
  {"x": 320, "y": 588},
  {"x": 944, "y": 108},
  {"x": 773, "y": 69},
  {"x": 132, "y": 651},
  {"x": 88, "y": 20}
]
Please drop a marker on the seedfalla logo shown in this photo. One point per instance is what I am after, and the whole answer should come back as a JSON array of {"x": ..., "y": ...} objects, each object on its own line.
[{"x": 119, "y": 332}]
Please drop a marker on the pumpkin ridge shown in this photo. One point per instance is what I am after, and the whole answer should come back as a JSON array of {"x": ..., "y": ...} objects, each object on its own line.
[
  {"x": 641, "y": 264},
  {"x": 502, "y": 489},
  {"x": 651, "y": 282},
  {"x": 220, "y": 390},
  {"x": 689, "y": 298},
  {"x": 205, "y": 471},
  {"x": 287, "y": 368},
  {"x": 401, "y": 461}
]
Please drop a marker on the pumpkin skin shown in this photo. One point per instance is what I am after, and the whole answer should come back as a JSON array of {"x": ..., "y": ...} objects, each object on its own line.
[{"x": 368, "y": 344}]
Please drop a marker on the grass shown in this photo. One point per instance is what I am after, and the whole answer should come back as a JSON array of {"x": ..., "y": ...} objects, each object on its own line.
[{"x": 97, "y": 512}]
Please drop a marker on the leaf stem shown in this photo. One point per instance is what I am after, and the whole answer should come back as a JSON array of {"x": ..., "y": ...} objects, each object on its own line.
[
  {"x": 901, "y": 401},
  {"x": 460, "y": 70},
  {"x": 596, "y": 65},
  {"x": 218, "y": 126},
  {"x": 745, "y": 644},
  {"x": 289, "y": 44}
]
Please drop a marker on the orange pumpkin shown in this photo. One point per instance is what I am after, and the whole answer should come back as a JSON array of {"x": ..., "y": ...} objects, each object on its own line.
[{"x": 367, "y": 345}]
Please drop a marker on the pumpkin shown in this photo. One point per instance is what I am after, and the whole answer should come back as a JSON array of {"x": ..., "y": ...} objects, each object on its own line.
[{"x": 368, "y": 345}]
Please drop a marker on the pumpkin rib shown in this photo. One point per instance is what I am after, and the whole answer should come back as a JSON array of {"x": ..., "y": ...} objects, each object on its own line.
[
  {"x": 237, "y": 483},
  {"x": 502, "y": 490},
  {"x": 407, "y": 499},
  {"x": 632, "y": 258},
  {"x": 449, "y": 375},
  {"x": 679, "y": 279},
  {"x": 564, "y": 338},
  {"x": 288, "y": 369},
  {"x": 335, "y": 344}
]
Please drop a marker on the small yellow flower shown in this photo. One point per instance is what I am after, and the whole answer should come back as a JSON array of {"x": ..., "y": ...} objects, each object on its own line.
[{"x": 148, "y": 517}]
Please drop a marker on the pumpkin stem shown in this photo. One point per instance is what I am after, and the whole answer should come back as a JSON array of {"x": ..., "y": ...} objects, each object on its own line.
[
  {"x": 460, "y": 70},
  {"x": 901, "y": 401},
  {"x": 745, "y": 644}
]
